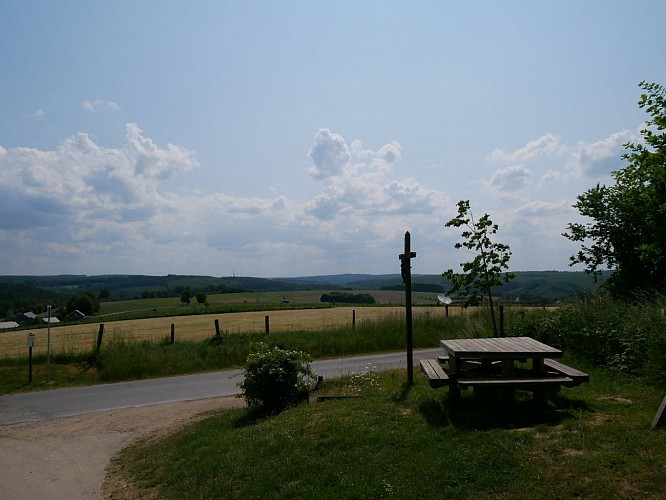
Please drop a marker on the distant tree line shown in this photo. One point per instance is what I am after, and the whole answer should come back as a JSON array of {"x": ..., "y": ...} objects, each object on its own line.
[
  {"x": 16, "y": 298},
  {"x": 178, "y": 292},
  {"x": 348, "y": 298},
  {"x": 417, "y": 287}
]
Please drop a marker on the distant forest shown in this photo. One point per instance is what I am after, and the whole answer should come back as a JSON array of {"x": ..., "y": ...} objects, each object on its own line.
[{"x": 32, "y": 293}]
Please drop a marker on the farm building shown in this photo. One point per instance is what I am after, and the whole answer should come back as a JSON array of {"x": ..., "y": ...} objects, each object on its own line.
[
  {"x": 26, "y": 317},
  {"x": 74, "y": 315},
  {"x": 8, "y": 324}
]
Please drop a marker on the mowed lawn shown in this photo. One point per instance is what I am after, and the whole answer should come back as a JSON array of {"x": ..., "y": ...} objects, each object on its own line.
[{"x": 83, "y": 337}]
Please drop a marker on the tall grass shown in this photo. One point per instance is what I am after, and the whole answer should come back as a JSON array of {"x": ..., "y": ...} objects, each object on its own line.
[
  {"x": 127, "y": 359},
  {"x": 627, "y": 337}
]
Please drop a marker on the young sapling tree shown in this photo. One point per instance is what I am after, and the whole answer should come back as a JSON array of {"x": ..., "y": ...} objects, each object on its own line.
[{"x": 485, "y": 270}]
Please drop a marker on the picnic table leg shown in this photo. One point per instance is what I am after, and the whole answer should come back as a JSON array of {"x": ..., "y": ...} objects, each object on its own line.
[
  {"x": 538, "y": 365},
  {"x": 454, "y": 390},
  {"x": 540, "y": 397},
  {"x": 508, "y": 393}
]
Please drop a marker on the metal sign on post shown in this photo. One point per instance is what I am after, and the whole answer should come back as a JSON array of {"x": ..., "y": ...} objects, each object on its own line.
[{"x": 31, "y": 339}]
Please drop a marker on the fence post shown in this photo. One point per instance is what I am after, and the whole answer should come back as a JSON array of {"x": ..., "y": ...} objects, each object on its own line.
[
  {"x": 173, "y": 333},
  {"x": 100, "y": 335},
  {"x": 446, "y": 308},
  {"x": 266, "y": 325},
  {"x": 217, "y": 327},
  {"x": 501, "y": 308},
  {"x": 353, "y": 319}
]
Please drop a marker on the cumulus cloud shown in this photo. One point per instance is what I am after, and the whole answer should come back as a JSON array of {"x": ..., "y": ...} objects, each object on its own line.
[
  {"x": 112, "y": 210},
  {"x": 149, "y": 160},
  {"x": 81, "y": 182},
  {"x": 545, "y": 145},
  {"x": 330, "y": 155},
  {"x": 359, "y": 184},
  {"x": 510, "y": 179},
  {"x": 98, "y": 105},
  {"x": 602, "y": 157}
]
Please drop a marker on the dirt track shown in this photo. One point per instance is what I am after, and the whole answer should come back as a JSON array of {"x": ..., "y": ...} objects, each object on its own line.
[{"x": 67, "y": 458}]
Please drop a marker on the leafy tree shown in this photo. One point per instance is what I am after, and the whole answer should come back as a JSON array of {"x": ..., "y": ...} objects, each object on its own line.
[
  {"x": 626, "y": 231},
  {"x": 186, "y": 297},
  {"x": 484, "y": 271},
  {"x": 201, "y": 298},
  {"x": 85, "y": 302}
]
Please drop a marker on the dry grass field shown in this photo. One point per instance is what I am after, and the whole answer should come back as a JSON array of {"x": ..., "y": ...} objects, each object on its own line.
[{"x": 83, "y": 337}]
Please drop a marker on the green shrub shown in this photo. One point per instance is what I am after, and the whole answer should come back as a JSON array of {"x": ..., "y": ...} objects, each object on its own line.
[
  {"x": 275, "y": 379},
  {"x": 626, "y": 337}
]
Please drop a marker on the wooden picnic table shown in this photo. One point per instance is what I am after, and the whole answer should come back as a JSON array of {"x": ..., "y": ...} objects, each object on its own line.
[
  {"x": 506, "y": 350},
  {"x": 491, "y": 362}
]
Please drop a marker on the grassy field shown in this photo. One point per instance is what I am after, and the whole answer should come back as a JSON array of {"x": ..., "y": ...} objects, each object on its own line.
[
  {"x": 299, "y": 298},
  {"x": 77, "y": 338},
  {"x": 593, "y": 441}
]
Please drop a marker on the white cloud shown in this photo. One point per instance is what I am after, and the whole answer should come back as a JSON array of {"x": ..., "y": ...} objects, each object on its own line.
[
  {"x": 510, "y": 179},
  {"x": 80, "y": 183},
  {"x": 109, "y": 208},
  {"x": 602, "y": 157},
  {"x": 540, "y": 208},
  {"x": 547, "y": 144},
  {"x": 98, "y": 105},
  {"x": 151, "y": 161},
  {"x": 114, "y": 211},
  {"x": 330, "y": 155}
]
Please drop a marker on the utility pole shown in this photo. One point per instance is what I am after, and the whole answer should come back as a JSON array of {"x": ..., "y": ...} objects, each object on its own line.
[
  {"x": 406, "y": 272},
  {"x": 48, "y": 349}
]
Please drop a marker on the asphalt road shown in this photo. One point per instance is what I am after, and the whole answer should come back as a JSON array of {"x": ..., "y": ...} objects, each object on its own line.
[{"x": 44, "y": 405}]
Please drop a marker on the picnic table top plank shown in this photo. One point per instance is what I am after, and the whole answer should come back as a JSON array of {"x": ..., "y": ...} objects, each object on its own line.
[{"x": 499, "y": 348}]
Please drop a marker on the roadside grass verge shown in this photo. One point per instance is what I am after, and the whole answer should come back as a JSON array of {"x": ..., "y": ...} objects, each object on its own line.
[
  {"x": 67, "y": 369},
  {"x": 592, "y": 441},
  {"x": 124, "y": 358}
]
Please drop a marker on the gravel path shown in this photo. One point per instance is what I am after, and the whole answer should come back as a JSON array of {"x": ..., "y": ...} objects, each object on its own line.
[{"x": 67, "y": 458}]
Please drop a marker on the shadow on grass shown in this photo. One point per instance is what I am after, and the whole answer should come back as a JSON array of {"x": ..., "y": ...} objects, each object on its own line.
[
  {"x": 402, "y": 396},
  {"x": 491, "y": 411},
  {"x": 250, "y": 417},
  {"x": 255, "y": 414}
]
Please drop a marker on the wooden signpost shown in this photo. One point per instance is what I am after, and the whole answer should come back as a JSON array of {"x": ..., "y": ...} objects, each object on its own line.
[{"x": 406, "y": 272}]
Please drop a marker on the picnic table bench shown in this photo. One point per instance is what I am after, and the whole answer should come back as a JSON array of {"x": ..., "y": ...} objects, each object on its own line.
[
  {"x": 490, "y": 363},
  {"x": 437, "y": 377}
]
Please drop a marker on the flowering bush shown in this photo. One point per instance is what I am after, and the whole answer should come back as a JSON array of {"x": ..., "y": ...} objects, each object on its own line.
[{"x": 275, "y": 379}]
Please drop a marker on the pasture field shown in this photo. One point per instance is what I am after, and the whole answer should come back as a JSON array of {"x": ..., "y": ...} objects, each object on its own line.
[
  {"x": 79, "y": 338},
  {"x": 299, "y": 298}
]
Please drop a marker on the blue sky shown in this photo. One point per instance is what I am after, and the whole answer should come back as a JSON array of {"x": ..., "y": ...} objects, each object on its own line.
[{"x": 298, "y": 137}]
